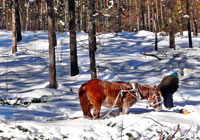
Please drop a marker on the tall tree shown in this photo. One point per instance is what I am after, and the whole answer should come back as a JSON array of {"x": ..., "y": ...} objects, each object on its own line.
[
  {"x": 171, "y": 26},
  {"x": 92, "y": 37},
  {"x": 142, "y": 11},
  {"x": 4, "y": 23},
  {"x": 156, "y": 25},
  {"x": 180, "y": 17},
  {"x": 18, "y": 21},
  {"x": 149, "y": 15},
  {"x": 194, "y": 20},
  {"x": 1, "y": 19},
  {"x": 14, "y": 38},
  {"x": 27, "y": 15},
  {"x": 137, "y": 14},
  {"x": 72, "y": 31},
  {"x": 38, "y": 14},
  {"x": 189, "y": 25},
  {"x": 52, "y": 44},
  {"x": 67, "y": 14},
  {"x": 84, "y": 15},
  {"x": 119, "y": 19}
]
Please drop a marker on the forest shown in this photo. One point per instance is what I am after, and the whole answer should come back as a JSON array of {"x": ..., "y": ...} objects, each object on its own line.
[
  {"x": 49, "y": 49},
  {"x": 97, "y": 17},
  {"x": 110, "y": 15}
]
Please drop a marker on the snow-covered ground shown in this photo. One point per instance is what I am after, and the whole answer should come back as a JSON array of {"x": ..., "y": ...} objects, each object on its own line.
[{"x": 24, "y": 78}]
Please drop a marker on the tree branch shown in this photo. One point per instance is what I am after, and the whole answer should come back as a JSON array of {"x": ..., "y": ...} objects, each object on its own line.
[
  {"x": 143, "y": 53},
  {"x": 178, "y": 127},
  {"x": 154, "y": 121}
]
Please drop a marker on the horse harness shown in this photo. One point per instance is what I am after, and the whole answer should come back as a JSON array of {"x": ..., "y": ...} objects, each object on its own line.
[
  {"x": 134, "y": 89},
  {"x": 157, "y": 102}
]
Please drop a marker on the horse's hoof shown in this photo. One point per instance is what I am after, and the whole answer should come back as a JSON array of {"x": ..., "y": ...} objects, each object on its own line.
[{"x": 87, "y": 117}]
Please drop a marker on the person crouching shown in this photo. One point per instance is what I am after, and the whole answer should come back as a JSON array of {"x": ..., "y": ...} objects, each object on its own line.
[{"x": 168, "y": 87}]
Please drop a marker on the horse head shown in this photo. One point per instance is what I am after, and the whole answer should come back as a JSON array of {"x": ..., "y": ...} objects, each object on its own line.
[{"x": 155, "y": 98}]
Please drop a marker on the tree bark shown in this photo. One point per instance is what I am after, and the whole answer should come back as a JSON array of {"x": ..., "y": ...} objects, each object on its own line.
[
  {"x": 38, "y": 13},
  {"x": 51, "y": 37},
  {"x": 119, "y": 12},
  {"x": 92, "y": 38},
  {"x": 161, "y": 14},
  {"x": 156, "y": 28},
  {"x": 189, "y": 25},
  {"x": 142, "y": 9},
  {"x": 137, "y": 14},
  {"x": 157, "y": 16},
  {"x": 14, "y": 39},
  {"x": 18, "y": 21},
  {"x": 27, "y": 16},
  {"x": 84, "y": 16},
  {"x": 67, "y": 15},
  {"x": 73, "y": 46},
  {"x": 149, "y": 15},
  {"x": 4, "y": 24},
  {"x": 171, "y": 27}
]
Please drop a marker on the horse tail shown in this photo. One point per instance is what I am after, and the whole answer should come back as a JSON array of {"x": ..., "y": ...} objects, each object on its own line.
[{"x": 84, "y": 102}]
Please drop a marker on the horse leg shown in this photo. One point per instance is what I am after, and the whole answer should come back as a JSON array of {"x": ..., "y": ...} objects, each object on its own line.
[
  {"x": 85, "y": 103},
  {"x": 86, "y": 112},
  {"x": 120, "y": 110},
  {"x": 127, "y": 103},
  {"x": 96, "y": 113},
  {"x": 125, "y": 108}
]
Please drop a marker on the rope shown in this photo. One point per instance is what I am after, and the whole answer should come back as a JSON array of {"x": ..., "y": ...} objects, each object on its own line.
[
  {"x": 110, "y": 110},
  {"x": 138, "y": 96}
]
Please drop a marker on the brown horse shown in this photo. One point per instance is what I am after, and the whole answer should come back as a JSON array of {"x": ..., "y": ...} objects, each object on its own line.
[{"x": 95, "y": 93}]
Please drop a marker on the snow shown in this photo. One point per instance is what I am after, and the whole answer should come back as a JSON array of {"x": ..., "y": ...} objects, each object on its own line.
[
  {"x": 24, "y": 78},
  {"x": 186, "y": 16},
  {"x": 31, "y": 0}
]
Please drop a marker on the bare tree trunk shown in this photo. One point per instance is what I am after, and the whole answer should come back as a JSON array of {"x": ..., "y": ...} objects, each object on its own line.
[
  {"x": 92, "y": 37},
  {"x": 1, "y": 15},
  {"x": 130, "y": 15},
  {"x": 157, "y": 17},
  {"x": 4, "y": 15},
  {"x": 38, "y": 13},
  {"x": 51, "y": 36},
  {"x": 18, "y": 21},
  {"x": 189, "y": 25},
  {"x": 78, "y": 15},
  {"x": 156, "y": 28},
  {"x": 149, "y": 15},
  {"x": 161, "y": 14},
  {"x": 137, "y": 15},
  {"x": 142, "y": 9},
  {"x": 119, "y": 20},
  {"x": 194, "y": 25},
  {"x": 45, "y": 15},
  {"x": 84, "y": 16},
  {"x": 27, "y": 15},
  {"x": 72, "y": 30},
  {"x": 67, "y": 15},
  {"x": 171, "y": 27},
  {"x": 98, "y": 24},
  {"x": 14, "y": 39},
  {"x": 180, "y": 17}
]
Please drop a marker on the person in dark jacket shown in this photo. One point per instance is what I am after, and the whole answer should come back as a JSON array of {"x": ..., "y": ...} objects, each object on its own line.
[{"x": 168, "y": 86}]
